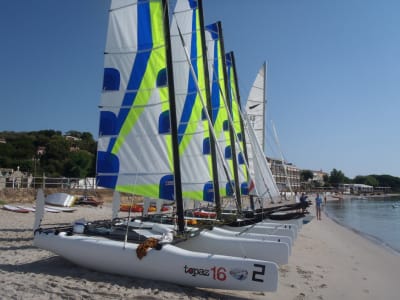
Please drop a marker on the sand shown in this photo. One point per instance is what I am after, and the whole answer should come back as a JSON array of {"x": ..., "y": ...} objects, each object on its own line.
[{"x": 328, "y": 262}]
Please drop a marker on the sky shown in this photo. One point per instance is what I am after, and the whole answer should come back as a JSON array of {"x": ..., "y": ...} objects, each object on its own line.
[{"x": 333, "y": 83}]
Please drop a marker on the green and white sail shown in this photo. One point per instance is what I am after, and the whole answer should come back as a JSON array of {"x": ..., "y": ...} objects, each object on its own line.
[
  {"x": 242, "y": 176},
  {"x": 220, "y": 118},
  {"x": 190, "y": 92},
  {"x": 135, "y": 151}
]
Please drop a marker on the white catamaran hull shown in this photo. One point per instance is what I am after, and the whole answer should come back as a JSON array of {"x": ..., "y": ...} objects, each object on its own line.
[
  {"x": 207, "y": 241},
  {"x": 257, "y": 236},
  {"x": 259, "y": 228},
  {"x": 186, "y": 267},
  {"x": 224, "y": 244},
  {"x": 298, "y": 222}
]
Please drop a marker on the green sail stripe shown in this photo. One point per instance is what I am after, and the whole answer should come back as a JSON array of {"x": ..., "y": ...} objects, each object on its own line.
[
  {"x": 236, "y": 119},
  {"x": 146, "y": 190},
  {"x": 193, "y": 195},
  {"x": 156, "y": 62},
  {"x": 196, "y": 113}
]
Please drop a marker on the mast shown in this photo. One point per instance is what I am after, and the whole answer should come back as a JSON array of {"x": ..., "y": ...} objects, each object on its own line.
[
  {"x": 173, "y": 123},
  {"x": 283, "y": 159},
  {"x": 233, "y": 148},
  {"x": 217, "y": 196},
  {"x": 265, "y": 106}
]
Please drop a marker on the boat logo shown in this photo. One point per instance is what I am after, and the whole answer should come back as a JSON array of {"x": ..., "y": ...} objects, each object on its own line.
[
  {"x": 196, "y": 271},
  {"x": 239, "y": 274}
]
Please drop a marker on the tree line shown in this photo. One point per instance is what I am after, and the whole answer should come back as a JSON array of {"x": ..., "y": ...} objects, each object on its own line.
[
  {"x": 49, "y": 152},
  {"x": 73, "y": 154},
  {"x": 337, "y": 177}
]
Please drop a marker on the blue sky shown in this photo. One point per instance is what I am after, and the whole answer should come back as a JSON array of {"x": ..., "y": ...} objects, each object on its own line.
[{"x": 333, "y": 73}]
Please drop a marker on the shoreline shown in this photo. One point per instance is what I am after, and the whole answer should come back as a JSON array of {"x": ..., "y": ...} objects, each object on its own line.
[
  {"x": 369, "y": 237},
  {"x": 324, "y": 257}
]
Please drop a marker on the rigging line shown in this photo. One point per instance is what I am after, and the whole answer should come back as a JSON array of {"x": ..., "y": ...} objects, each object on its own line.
[
  {"x": 207, "y": 116},
  {"x": 129, "y": 213},
  {"x": 283, "y": 160},
  {"x": 232, "y": 123},
  {"x": 250, "y": 131},
  {"x": 246, "y": 122}
]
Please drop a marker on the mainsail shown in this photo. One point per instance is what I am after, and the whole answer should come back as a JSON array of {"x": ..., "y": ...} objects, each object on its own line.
[
  {"x": 255, "y": 144},
  {"x": 256, "y": 105},
  {"x": 218, "y": 87},
  {"x": 135, "y": 149},
  {"x": 238, "y": 155},
  {"x": 193, "y": 128}
]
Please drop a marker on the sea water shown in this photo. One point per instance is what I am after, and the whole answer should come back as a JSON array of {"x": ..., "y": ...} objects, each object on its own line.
[{"x": 375, "y": 218}]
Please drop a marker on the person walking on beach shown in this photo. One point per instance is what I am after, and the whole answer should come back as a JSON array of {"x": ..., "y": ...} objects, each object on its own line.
[
  {"x": 303, "y": 201},
  {"x": 318, "y": 203}
]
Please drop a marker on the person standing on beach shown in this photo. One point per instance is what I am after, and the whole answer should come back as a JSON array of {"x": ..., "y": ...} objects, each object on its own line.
[{"x": 318, "y": 203}]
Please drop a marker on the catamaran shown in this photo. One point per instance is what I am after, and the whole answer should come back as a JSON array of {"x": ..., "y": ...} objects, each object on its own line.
[{"x": 141, "y": 150}]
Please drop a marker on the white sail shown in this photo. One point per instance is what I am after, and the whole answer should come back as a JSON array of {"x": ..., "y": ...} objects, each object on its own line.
[
  {"x": 256, "y": 105},
  {"x": 265, "y": 186},
  {"x": 255, "y": 143}
]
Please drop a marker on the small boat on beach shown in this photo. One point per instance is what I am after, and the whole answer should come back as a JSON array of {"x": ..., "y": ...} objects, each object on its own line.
[
  {"x": 88, "y": 200},
  {"x": 15, "y": 208},
  {"x": 60, "y": 199}
]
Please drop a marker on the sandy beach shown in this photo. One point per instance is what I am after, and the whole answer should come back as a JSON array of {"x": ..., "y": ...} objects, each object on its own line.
[{"x": 328, "y": 261}]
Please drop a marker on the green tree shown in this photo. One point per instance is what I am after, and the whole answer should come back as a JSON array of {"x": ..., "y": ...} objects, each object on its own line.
[
  {"x": 78, "y": 164},
  {"x": 326, "y": 179},
  {"x": 371, "y": 180},
  {"x": 336, "y": 177},
  {"x": 368, "y": 180},
  {"x": 305, "y": 175}
]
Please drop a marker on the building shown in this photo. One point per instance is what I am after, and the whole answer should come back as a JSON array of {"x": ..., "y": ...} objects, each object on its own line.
[
  {"x": 318, "y": 176},
  {"x": 284, "y": 178},
  {"x": 355, "y": 188}
]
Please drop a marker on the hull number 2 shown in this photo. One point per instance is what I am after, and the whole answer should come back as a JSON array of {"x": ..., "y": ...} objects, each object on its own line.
[{"x": 221, "y": 273}]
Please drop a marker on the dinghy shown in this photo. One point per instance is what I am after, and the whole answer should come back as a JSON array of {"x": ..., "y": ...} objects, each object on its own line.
[
  {"x": 15, "y": 208},
  {"x": 60, "y": 199}
]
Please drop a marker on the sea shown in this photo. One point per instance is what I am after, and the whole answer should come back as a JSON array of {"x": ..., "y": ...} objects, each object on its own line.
[{"x": 378, "y": 219}]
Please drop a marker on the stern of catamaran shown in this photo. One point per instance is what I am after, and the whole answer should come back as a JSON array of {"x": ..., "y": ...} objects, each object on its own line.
[{"x": 39, "y": 210}]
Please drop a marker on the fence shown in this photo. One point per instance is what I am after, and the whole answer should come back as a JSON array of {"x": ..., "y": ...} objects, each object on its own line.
[{"x": 44, "y": 182}]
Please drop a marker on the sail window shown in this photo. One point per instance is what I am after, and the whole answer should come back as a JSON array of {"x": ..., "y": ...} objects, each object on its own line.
[
  {"x": 167, "y": 187},
  {"x": 240, "y": 159},
  {"x": 206, "y": 146},
  {"x": 228, "y": 152},
  {"x": 239, "y": 135},
  {"x": 229, "y": 188},
  {"x": 162, "y": 78},
  {"x": 107, "y": 163},
  {"x": 203, "y": 115},
  {"x": 244, "y": 188},
  {"x": 108, "y": 123},
  {"x": 164, "y": 125},
  {"x": 111, "y": 79},
  {"x": 208, "y": 192},
  {"x": 225, "y": 125}
]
